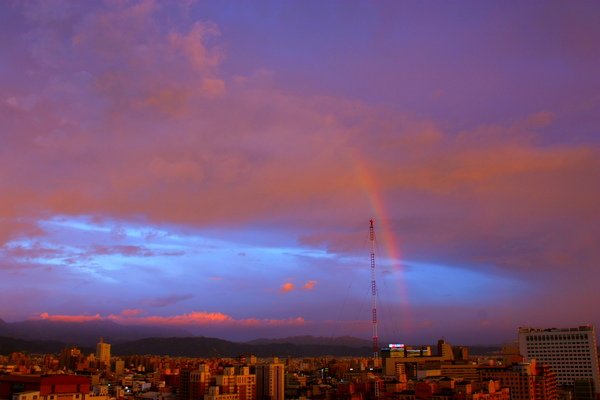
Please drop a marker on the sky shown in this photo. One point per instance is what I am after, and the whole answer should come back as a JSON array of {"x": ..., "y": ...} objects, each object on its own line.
[{"x": 213, "y": 166}]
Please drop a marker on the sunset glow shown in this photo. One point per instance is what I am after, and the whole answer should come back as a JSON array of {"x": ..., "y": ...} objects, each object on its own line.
[{"x": 214, "y": 166}]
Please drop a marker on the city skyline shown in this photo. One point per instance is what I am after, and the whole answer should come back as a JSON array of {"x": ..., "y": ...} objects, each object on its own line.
[{"x": 214, "y": 166}]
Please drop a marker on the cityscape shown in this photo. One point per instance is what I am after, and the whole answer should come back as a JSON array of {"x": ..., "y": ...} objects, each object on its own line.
[
  {"x": 554, "y": 363},
  {"x": 268, "y": 200}
]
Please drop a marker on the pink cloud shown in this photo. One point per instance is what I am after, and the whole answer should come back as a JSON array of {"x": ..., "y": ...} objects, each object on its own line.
[
  {"x": 310, "y": 285},
  {"x": 187, "y": 171},
  {"x": 193, "y": 45},
  {"x": 196, "y": 318},
  {"x": 273, "y": 322},
  {"x": 36, "y": 250},
  {"x": 70, "y": 318},
  {"x": 287, "y": 287},
  {"x": 13, "y": 228},
  {"x": 193, "y": 318},
  {"x": 213, "y": 87},
  {"x": 188, "y": 167},
  {"x": 131, "y": 312}
]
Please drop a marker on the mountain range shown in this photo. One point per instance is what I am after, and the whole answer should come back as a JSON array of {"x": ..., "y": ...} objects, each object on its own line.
[
  {"x": 43, "y": 336},
  {"x": 84, "y": 333},
  {"x": 348, "y": 341}
]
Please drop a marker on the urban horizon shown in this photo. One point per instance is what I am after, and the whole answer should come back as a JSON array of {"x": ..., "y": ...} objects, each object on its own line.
[{"x": 545, "y": 364}]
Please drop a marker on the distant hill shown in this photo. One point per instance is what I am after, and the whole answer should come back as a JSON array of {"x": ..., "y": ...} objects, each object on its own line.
[
  {"x": 84, "y": 333},
  {"x": 190, "y": 347},
  {"x": 43, "y": 336},
  {"x": 348, "y": 341},
  {"x": 212, "y": 347},
  {"x": 10, "y": 345},
  {"x": 485, "y": 350}
]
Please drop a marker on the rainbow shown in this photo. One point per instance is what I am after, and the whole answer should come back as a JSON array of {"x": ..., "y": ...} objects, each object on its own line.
[{"x": 390, "y": 242}]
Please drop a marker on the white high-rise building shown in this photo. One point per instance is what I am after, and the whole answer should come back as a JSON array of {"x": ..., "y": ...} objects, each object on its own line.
[
  {"x": 103, "y": 353},
  {"x": 270, "y": 381},
  {"x": 570, "y": 352}
]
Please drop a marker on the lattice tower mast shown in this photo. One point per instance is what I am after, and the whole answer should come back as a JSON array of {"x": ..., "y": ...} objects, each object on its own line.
[{"x": 374, "y": 294}]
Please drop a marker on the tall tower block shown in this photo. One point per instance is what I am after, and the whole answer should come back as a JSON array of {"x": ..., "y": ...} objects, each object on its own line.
[{"x": 103, "y": 353}]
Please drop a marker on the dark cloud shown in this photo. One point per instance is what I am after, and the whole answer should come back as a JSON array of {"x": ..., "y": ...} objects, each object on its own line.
[
  {"x": 169, "y": 300},
  {"x": 124, "y": 250}
]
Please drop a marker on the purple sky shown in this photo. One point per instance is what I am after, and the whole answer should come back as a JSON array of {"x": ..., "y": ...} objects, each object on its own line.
[{"x": 214, "y": 165}]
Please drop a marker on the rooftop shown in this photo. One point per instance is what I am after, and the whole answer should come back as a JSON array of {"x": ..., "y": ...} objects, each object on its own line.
[{"x": 578, "y": 329}]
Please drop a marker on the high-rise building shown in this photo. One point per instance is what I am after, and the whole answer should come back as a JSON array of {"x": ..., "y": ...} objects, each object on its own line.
[
  {"x": 412, "y": 359},
  {"x": 570, "y": 352},
  {"x": 445, "y": 350},
  {"x": 270, "y": 381},
  {"x": 194, "y": 383},
  {"x": 119, "y": 367},
  {"x": 70, "y": 358},
  {"x": 103, "y": 353},
  {"x": 243, "y": 383}
]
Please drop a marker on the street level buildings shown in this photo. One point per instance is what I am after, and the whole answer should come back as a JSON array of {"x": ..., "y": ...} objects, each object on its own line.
[
  {"x": 526, "y": 381},
  {"x": 44, "y": 387}
]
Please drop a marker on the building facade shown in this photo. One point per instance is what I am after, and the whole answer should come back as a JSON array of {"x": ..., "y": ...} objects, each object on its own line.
[
  {"x": 103, "y": 353},
  {"x": 44, "y": 387},
  {"x": 241, "y": 383},
  {"x": 270, "y": 381},
  {"x": 570, "y": 352},
  {"x": 526, "y": 381},
  {"x": 194, "y": 383}
]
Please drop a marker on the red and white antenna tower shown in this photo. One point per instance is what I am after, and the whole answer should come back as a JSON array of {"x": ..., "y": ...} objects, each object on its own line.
[{"x": 374, "y": 296}]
